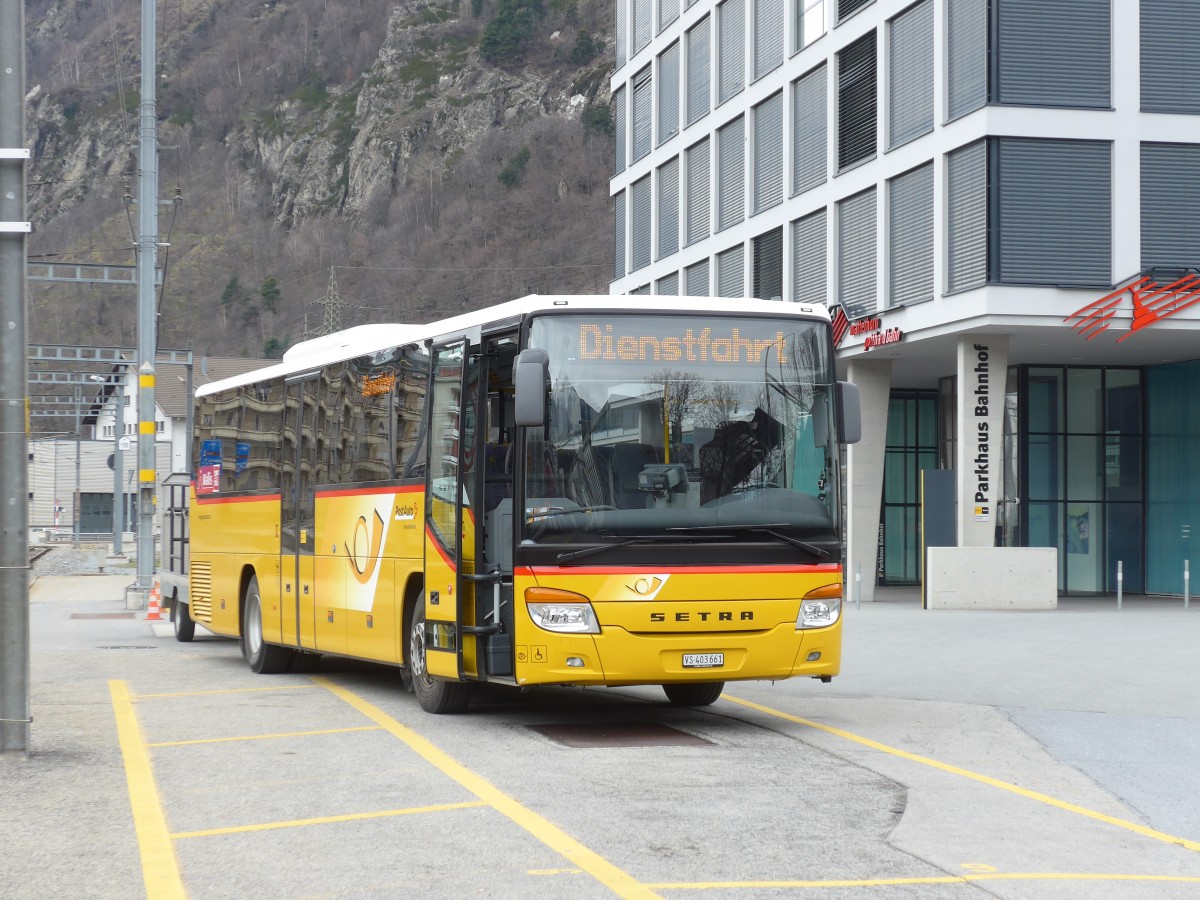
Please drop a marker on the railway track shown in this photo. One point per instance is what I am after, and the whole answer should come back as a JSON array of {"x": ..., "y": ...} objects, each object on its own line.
[{"x": 36, "y": 553}]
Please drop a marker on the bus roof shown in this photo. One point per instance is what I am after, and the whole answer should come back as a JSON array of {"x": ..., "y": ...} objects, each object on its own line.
[{"x": 363, "y": 339}]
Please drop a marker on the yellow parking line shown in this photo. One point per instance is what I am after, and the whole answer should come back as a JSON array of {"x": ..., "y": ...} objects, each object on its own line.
[
  {"x": 618, "y": 881},
  {"x": 935, "y": 879},
  {"x": 324, "y": 820},
  {"x": 262, "y": 737},
  {"x": 160, "y": 869},
  {"x": 259, "y": 690},
  {"x": 975, "y": 776}
]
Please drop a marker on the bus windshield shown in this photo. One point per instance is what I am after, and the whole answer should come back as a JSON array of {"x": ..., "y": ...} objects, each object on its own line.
[{"x": 683, "y": 426}]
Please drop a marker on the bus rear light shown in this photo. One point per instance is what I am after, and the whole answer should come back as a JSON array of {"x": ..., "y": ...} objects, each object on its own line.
[
  {"x": 820, "y": 607},
  {"x": 561, "y": 611}
]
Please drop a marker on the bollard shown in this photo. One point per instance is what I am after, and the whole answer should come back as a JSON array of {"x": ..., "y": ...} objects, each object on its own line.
[
  {"x": 1187, "y": 578},
  {"x": 1120, "y": 581},
  {"x": 858, "y": 585}
]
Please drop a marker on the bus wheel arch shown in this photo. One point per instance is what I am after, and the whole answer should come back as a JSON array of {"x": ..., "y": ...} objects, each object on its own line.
[{"x": 413, "y": 591}]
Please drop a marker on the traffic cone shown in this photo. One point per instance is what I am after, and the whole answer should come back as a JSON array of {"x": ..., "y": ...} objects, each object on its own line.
[{"x": 153, "y": 609}]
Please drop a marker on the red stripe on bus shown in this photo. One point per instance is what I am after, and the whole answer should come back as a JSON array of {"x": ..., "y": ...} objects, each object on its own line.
[
  {"x": 820, "y": 568},
  {"x": 437, "y": 545},
  {"x": 364, "y": 492},
  {"x": 207, "y": 499}
]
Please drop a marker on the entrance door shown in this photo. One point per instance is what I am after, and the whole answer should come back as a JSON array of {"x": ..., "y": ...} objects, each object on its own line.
[
  {"x": 449, "y": 516},
  {"x": 298, "y": 514}
]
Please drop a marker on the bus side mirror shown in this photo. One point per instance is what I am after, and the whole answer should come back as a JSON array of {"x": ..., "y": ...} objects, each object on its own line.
[
  {"x": 850, "y": 420},
  {"x": 529, "y": 387}
]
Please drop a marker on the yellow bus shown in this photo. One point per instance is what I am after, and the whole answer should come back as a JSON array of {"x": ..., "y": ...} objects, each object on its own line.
[{"x": 566, "y": 490}]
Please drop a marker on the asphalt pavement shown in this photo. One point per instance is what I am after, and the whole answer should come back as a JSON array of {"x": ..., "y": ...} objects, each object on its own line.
[{"x": 1087, "y": 702}]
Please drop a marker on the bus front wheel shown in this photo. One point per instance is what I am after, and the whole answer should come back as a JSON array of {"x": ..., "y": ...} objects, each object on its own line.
[
  {"x": 434, "y": 694},
  {"x": 264, "y": 658},
  {"x": 694, "y": 694}
]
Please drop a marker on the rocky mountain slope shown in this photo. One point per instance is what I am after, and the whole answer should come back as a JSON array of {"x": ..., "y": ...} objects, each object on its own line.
[{"x": 321, "y": 162}]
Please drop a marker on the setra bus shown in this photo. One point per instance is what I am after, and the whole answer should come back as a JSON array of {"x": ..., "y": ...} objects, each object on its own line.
[{"x": 556, "y": 490}]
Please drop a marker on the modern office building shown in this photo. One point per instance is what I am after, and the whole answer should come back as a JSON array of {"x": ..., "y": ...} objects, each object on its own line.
[{"x": 999, "y": 200}]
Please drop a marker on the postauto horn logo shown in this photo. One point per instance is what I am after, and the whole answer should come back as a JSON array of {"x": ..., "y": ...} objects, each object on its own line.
[{"x": 364, "y": 550}]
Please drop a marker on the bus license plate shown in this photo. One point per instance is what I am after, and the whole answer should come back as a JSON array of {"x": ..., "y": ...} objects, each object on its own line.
[{"x": 703, "y": 660}]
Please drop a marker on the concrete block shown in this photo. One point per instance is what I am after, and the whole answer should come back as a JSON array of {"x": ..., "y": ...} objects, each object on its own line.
[{"x": 991, "y": 578}]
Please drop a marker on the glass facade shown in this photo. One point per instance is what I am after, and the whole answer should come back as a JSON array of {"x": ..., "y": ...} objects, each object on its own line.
[
  {"x": 1172, "y": 488},
  {"x": 911, "y": 446}
]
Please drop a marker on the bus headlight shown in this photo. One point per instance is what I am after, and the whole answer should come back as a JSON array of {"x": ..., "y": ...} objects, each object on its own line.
[
  {"x": 561, "y": 611},
  {"x": 821, "y": 607}
]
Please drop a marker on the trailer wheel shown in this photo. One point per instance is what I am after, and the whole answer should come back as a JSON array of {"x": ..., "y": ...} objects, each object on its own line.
[
  {"x": 694, "y": 694},
  {"x": 434, "y": 694},
  {"x": 181, "y": 621}
]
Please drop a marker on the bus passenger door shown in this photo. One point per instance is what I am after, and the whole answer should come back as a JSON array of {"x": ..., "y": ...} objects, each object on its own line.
[
  {"x": 449, "y": 528},
  {"x": 298, "y": 515}
]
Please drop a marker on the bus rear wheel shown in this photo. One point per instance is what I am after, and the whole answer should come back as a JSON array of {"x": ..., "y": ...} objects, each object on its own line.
[
  {"x": 434, "y": 694},
  {"x": 695, "y": 693},
  {"x": 181, "y": 621},
  {"x": 264, "y": 658}
]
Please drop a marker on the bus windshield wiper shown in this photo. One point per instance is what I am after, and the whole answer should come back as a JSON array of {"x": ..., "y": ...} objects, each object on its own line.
[
  {"x": 635, "y": 539},
  {"x": 771, "y": 529}
]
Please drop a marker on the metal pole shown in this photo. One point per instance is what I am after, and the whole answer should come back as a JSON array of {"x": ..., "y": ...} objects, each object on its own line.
[
  {"x": 14, "y": 391},
  {"x": 147, "y": 338},
  {"x": 75, "y": 517},
  {"x": 858, "y": 585},
  {"x": 1120, "y": 581},
  {"x": 1187, "y": 582},
  {"x": 119, "y": 470}
]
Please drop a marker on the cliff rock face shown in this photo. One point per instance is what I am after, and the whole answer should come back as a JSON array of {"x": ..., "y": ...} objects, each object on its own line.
[{"x": 307, "y": 136}]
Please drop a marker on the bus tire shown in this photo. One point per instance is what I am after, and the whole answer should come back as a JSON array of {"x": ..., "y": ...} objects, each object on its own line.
[
  {"x": 435, "y": 695},
  {"x": 700, "y": 693},
  {"x": 264, "y": 658},
  {"x": 181, "y": 621}
]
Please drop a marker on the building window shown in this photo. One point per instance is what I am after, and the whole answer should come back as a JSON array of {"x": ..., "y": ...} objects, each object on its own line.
[
  {"x": 731, "y": 173},
  {"x": 768, "y": 153},
  {"x": 697, "y": 192},
  {"x": 643, "y": 19},
  {"x": 847, "y": 8},
  {"x": 1170, "y": 58},
  {"x": 668, "y": 12},
  {"x": 966, "y": 217},
  {"x": 731, "y": 49},
  {"x": 1056, "y": 54},
  {"x": 619, "y": 129},
  {"x": 910, "y": 236},
  {"x": 668, "y": 94},
  {"x": 856, "y": 254},
  {"x": 910, "y": 74},
  {"x": 1051, "y": 212},
  {"x": 768, "y": 36},
  {"x": 966, "y": 56},
  {"x": 698, "y": 72},
  {"x": 642, "y": 122},
  {"x": 1171, "y": 205},
  {"x": 809, "y": 143},
  {"x": 856, "y": 102},
  {"x": 696, "y": 278},
  {"x": 730, "y": 276},
  {"x": 619, "y": 235},
  {"x": 668, "y": 285},
  {"x": 668, "y": 208},
  {"x": 767, "y": 265},
  {"x": 810, "y": 266},
  {"x": 639, "y": 226},
  {"x": 810, "y": 21},
  {"x": 622, "y": 30}
]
